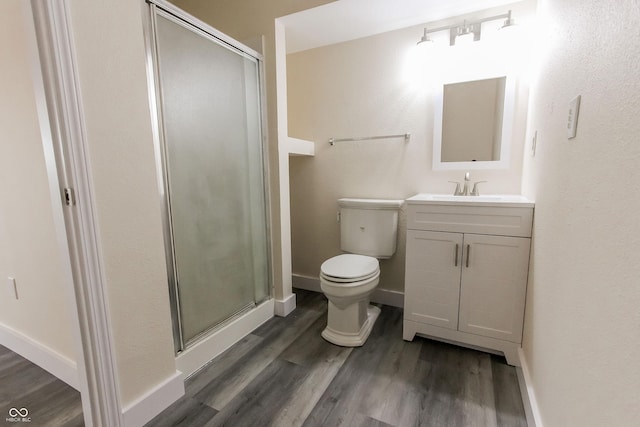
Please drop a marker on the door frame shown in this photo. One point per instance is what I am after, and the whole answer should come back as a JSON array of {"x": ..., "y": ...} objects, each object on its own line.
[{"x": 66, "y": 153}]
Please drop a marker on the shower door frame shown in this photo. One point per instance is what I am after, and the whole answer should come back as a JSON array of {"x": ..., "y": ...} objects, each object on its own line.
[{"x": 160, "y": 147}]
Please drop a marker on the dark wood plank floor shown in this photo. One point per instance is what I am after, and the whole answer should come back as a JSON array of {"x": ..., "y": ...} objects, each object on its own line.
[
  {"x": 285, "y": 374},
  {"x": 48, "y": 400}
]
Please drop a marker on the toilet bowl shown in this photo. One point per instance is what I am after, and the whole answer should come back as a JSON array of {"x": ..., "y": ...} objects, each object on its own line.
[
  {"x": 368, "y": 232},
  {"x": 347, "y": 281}
]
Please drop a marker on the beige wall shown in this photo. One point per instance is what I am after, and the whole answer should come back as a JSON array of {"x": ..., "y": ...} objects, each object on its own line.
[
  {"x": 582, "y": 324},
  {"x": 369, "y": 87},
  {"x": 29, "y": 249},
  {"x": 113, "y": 83},
  {"x": 245, "y": 21}
]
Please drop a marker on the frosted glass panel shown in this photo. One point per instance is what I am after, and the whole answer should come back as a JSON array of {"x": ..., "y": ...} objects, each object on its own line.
[{"x": 211, "y": 112}]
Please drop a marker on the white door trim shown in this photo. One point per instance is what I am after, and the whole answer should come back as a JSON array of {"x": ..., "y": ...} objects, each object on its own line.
[{"x": 68, "y": 145}]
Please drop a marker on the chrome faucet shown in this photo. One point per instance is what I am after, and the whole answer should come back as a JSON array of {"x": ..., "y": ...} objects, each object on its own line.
[
  {"x": 457, "y": 191},
  {"x": 476, "y": 191},
  {"x": 465, "y": 191}
]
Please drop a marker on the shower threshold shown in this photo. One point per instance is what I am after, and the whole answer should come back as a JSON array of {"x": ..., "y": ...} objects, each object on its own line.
[
  {"x": 212, "y": 330},
  {"x": 213, "y": 342}
]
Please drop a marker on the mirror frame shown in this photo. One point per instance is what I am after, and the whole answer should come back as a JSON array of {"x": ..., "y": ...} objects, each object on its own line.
[{"x": 507, "y": 126}]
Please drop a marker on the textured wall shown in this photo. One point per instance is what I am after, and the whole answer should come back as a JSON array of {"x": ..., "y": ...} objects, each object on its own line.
[
  {"x": 28, "y": 245},
  {"x": 113, "y": 82},
  {"x": 582, "y": 329},
  {"x": 369, "y": 87}
]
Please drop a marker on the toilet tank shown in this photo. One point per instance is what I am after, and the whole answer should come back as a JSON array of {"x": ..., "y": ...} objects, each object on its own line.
[{"x": 369, "y": 226}]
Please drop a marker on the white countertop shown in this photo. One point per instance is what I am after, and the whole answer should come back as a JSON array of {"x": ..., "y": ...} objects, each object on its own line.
[{"x": 504, "y": 200}]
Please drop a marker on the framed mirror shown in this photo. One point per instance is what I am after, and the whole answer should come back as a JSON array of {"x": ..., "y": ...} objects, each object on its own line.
[{"x": 473, "y": 123}]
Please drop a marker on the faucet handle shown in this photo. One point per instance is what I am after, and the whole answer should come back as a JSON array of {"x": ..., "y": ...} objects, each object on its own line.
[
  {"x": 476, "y": 191},
  {"x": 458, "y": 190}
]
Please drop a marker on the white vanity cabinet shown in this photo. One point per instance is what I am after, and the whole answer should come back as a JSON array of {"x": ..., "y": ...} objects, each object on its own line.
[{"x": 466, "y": 271}]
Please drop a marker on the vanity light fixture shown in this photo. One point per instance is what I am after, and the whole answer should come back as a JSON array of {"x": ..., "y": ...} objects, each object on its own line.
[
  {"x": 509, "y": 22},
  {"x": 425, "y": 39},
  {"x": 467, "y": 30}
]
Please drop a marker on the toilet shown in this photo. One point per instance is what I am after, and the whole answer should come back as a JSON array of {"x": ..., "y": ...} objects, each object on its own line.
[{"x": 368, "y": 232}]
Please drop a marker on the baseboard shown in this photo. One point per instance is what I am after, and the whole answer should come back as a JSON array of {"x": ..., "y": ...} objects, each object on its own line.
[
  {"x": 531, "y": 409},
  {"x": 195, "y": 357},
  {"x": 388, "y": 297},
  {"x": 154, "y": 401},
  {"x": 380, "y": 296},
  {"x": 39, "y": 354},
  {"x": 305, "y": 282},
  {"x": 283, "y": 307}
]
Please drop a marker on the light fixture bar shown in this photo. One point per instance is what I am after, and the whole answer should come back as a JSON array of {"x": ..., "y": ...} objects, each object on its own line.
[{"x": 474, "y": 27}]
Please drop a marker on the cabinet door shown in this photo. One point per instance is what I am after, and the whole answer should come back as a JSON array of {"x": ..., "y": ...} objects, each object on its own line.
[
  {"x": 493, "y": 286},
  {"x": 432, "y": 278}
]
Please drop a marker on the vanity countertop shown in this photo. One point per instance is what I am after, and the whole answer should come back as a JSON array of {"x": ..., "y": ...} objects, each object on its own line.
[{"x": 497, "y": 200}]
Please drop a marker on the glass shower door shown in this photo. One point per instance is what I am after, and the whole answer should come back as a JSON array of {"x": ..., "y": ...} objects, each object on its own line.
[{"x": 209, "y": 98}]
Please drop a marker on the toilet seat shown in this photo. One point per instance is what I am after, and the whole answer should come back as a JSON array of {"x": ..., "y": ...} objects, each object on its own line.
[{"x": 349, "y": 268}]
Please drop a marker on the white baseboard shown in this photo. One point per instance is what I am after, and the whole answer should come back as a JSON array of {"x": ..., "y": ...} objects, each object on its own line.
[
  {"x": 154, "y": 401},
  {"x": 305, "y": 282},
  {"x": 51, "y": 361},
  {"x": 532, "y": 411},
  {"x": 388, "y": 297},
  {"x": 198, "y": 355},
  {"x": 283, "y": 307},
  {"x": 380, "y": 296}
]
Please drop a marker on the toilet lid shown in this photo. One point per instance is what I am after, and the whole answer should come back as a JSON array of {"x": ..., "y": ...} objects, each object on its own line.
[{"x": 349, "y": 266}]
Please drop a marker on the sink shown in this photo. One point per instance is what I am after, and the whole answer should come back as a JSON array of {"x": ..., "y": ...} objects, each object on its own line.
[{"x": 484, "y": 200}]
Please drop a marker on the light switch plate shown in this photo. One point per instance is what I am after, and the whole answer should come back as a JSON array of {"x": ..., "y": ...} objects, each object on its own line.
[{"x": 572, "y": 121}]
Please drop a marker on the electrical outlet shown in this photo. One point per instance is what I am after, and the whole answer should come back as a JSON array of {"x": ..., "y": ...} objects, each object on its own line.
[
  {"x": 534, "y": 143},
  {"x": 12, "y": 287}
]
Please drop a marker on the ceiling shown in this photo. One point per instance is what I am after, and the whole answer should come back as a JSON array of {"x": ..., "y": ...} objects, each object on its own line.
[{"x": 345, "y": 20}]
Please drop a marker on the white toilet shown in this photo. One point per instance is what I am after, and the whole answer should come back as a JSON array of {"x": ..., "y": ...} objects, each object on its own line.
[{"x": 368, "y": 230}]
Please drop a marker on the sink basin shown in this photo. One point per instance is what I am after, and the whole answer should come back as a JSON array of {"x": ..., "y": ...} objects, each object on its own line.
[{"x": 485, "y": 200}]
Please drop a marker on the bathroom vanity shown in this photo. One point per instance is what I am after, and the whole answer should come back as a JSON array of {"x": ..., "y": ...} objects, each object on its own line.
[{"x": 467, "y": 262}]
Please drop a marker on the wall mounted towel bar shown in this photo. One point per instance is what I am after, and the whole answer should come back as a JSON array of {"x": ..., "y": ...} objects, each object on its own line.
[{"x": 406, "y": 136}]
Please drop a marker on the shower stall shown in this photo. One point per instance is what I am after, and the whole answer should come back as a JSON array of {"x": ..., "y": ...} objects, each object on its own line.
[{"x": 207, "y": 98}]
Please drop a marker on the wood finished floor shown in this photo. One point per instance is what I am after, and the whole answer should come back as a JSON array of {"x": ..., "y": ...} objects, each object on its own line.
[
  {"x": 50, "y": 401},
  {"x": 285, "y": 374}
]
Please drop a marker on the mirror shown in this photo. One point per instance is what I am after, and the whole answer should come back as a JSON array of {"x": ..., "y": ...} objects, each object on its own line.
[{"x": 473, "y": 121}]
